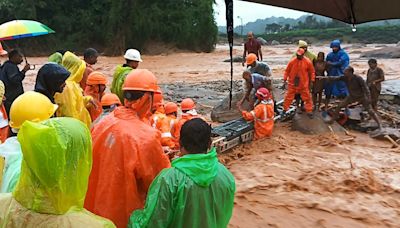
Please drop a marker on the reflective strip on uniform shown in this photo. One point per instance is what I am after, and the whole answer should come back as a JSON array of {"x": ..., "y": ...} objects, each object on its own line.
[
  {"x": 155, "y": 119},
  {"x": 266, "y": 119},
  {"x": 253, "y": 114},
  {"x": 166, "y": 135}
]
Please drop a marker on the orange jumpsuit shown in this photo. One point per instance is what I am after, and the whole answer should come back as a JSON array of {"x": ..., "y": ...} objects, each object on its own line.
[
  {"x": 303, "y": 70},
  {"x": 156, "y": 120},
  {"x": 185, "y": 117},
  {"x": 169, "y": 125},
  {"x": 263, "y": 117},
  {"x": 165, "y": 125},
  {"x": 127, "y": 156},
  {"x": 94, "y": 111},
  {"x": 4, "y": 130}
]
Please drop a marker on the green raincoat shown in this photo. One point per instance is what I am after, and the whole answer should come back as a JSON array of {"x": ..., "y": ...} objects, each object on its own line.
[
  {"x": 118, "y": 80},
  {"x": 10, "y": 150},
  {"x": 56, "y": 58},
  {"x": 197, "y": 191},
  {"x": 56, "y": 164}
]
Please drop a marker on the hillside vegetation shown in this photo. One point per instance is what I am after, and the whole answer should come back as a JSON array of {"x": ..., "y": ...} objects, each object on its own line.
[
  {"x": 113, "y": 26},
  {"x": 378, "y": 34}
]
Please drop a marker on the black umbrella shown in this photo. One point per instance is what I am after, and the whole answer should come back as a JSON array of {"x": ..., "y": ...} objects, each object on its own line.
[{"x": 349, "y": 11}]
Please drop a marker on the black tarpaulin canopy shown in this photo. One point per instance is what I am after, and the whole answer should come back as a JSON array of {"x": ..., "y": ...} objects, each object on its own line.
[{"x": 349, "y": 11}]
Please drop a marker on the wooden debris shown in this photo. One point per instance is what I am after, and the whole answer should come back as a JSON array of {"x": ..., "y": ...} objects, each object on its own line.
[{"x": 395, "y": 145}]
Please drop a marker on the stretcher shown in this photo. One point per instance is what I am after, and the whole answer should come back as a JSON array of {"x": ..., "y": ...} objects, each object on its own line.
[{"x": 233, "y": 133}]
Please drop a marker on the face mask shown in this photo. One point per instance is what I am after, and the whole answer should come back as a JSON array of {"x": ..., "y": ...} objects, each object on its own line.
[{"x": 143, "y": 105}]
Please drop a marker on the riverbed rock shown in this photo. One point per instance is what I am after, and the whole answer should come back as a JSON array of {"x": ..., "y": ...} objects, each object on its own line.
[
  {"x": 380, "y": 133},
  {"x": 235, "y": 59},
  {"x": 391, "y": 91},
  {"x": 274, "y": 42},
  {"x": 221, "y": 112},
  {"x": 384, "y": 53},
  {"x": 314, "y": 126},
  {"x": 262, "y": 41}
]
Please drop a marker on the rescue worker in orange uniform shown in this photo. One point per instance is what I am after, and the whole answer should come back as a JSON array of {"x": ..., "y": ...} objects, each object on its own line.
[
  {"x": 109, "y": 102},
  {"x": 169, "y": 126},
  {"x": 262, "y": 115},
  {"x": 297, "y": 75},
  {"x": 4, "y": 129},
  {"x": 157, "y": 110},
  {"x": 189, "y": 112},
  {"x": 127, "y": 153},
  {"x": 95, "y": 87}
]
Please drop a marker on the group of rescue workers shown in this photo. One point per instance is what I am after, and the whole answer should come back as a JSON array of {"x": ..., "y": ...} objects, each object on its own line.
[
  {"x": 56, "y": 172},
  {"x": 306, "y": 77}
]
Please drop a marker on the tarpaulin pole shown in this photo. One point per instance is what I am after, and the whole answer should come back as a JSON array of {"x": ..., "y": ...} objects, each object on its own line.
[{"x": 229, "y": 30}]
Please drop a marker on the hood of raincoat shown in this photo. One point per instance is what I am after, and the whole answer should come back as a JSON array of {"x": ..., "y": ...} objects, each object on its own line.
[
  {"x": 336, "y": 43},
  {"x": 201, "y": 168},
  {"x": 57, "y": 160},
  {"x": 56, "y": 58},
  {"x": 74, "y": 65},
  {"x": 50, "y": 78},
  {"x": 119, "y": 76}
]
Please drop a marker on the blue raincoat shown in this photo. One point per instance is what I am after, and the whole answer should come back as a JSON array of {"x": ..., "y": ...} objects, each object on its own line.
[{"x": 338, "y": 63}]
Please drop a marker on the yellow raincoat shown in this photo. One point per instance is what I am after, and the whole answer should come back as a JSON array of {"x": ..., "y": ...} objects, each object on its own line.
[
  {"x": 71, "y": 101},
  {"x": 57, "y": 160}
]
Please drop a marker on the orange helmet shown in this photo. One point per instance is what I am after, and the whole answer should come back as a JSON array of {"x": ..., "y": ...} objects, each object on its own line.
[
  {"x": 2, "y": 51},
  {"x": 96, "y": 78},
  {"x": 158, "y": 98},
  {"x": 110, "y": 99},
  {"x": 263, "y": 93},
  {"x": 251, "y": 58},
  {"x": 187, "y": 104},
  {"x": 171, "y": 107},
  {"x": 141, "y": 80}
]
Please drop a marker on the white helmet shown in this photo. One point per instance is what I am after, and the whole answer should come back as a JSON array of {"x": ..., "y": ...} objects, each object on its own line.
[{"x": 133, "y": 54}]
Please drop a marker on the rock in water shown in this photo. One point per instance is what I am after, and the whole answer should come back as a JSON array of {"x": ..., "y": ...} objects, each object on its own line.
[
  {"x": 385, "y": 53},
  {"x": 380, "y": 133},
  {"x": 262, "y": 41},
  {"x": 398, "y": 44},
  {"x": 221, "y": 112},
  {"x": 274, "y": 42},
  {"x": 314, "y": 126},
  {"x": 235, "y": 59}
]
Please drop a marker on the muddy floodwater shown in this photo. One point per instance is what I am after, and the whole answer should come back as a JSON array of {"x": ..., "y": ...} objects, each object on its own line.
[{"x": 291, "y": 179}]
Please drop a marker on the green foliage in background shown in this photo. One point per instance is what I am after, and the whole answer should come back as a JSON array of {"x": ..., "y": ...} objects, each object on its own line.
[
  {"x": 378, "y": 34},
  {"x": 113, "y": 26}
]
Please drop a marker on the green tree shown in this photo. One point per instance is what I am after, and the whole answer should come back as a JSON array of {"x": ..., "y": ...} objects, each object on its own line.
[{"x": 113, "y": 26}]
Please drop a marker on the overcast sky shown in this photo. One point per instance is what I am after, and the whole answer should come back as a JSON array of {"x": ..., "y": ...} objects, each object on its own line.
[{"x": 251, "y": 11}]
